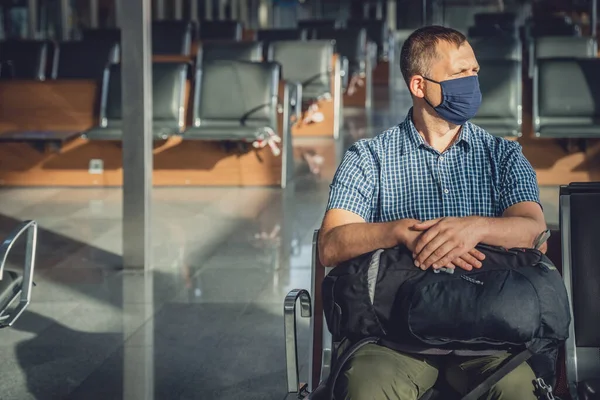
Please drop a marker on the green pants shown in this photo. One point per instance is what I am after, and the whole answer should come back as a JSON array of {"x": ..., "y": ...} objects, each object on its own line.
[{"x": 378, "y": 373}]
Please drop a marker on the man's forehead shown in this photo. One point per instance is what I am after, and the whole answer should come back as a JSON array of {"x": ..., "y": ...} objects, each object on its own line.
[{"x": 453, "y": 55}]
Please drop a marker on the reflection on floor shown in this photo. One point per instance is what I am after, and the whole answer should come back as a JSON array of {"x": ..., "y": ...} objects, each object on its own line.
[{"x": 206, "y": 323}]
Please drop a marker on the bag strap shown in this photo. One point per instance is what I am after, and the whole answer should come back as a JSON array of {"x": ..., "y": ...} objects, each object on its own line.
[
  {"x": 508, "y": 366},
  {"x": 340, "y": 362}
]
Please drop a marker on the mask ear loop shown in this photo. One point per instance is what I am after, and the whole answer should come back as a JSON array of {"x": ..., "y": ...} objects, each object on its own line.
[{"x": 425, "y": 98}]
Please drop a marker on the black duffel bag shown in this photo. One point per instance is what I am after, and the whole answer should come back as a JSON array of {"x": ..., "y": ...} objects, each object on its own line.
[{"x": 515, "y": 302}]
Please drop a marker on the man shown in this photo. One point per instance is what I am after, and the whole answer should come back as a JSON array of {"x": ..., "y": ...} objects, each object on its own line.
[{"x": 438, "y": 185}]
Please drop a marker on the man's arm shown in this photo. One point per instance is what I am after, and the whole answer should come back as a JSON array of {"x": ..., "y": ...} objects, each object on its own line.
[
  {"x": 521, "y": 221},
  {"x": 448, "y": 238},
  {"x": 345, "y": 235},
  {"x": 519, "y": 226}
]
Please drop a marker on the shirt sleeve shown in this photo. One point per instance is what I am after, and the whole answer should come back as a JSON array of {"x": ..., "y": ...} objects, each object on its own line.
[
  {"x": 519, "y": 180},
  {"x": 353, "y": 183}
]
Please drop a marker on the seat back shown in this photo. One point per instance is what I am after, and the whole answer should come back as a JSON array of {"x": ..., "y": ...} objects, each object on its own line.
[
  {"x": 579, "y": 212},
  {"x": 171, "y": 37},
  {"x": 104, "y": 34},
  {"x": 85, "y": 60},
  {"x": 220, "y": 30},
  {"x": 104, "y": 38},
  {"x": 276, "y": 35},
  {"x": 565, "y": 46},
  {"x": 255, "y": 87},
  {"x": 311, "y": 24},
  {"x": 501, "y": 85},
  {"x": 24, "y": 59},
  {"x": 168, "y": 94},
  {"x": 567, "y": 98},
  {"x": 243, "y": 51},
  {"x": 503, "y": 20},
  {"x": 490, "y": 31},
  {"x": 552, "y": 25},
  {"x": 309, "y": 63},
  {"x": 269, "y": 36},
  {"x": 350, "y": 43},
  {"x": 377, "y": 32}
]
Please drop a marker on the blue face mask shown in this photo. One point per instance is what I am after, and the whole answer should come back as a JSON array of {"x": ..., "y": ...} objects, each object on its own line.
[{"x": 461, "y": 99}]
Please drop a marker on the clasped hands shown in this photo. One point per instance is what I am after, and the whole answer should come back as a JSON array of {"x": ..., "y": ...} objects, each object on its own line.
[{"x": 445, "y": 242}]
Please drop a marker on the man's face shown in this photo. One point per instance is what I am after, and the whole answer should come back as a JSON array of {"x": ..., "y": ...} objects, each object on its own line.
[{"x": 451, "y": 63}]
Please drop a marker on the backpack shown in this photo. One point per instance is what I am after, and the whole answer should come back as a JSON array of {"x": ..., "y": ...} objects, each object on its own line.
[{"x": 515, "y": 302}]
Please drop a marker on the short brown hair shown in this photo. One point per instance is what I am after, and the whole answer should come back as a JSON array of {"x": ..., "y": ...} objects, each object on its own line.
[{"x": 420, "y": 49}]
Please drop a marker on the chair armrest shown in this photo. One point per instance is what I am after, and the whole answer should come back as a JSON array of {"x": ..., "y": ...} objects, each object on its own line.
[
  {"x": 30, "y": 228},
  {"x": 291, "y": 341},
  {"x": 295, "y": 90}
]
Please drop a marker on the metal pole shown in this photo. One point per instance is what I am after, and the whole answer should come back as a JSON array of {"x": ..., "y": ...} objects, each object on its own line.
[
  {"x": 194, "y": 10},
  {"x": 94, "y": 20},
  {"x": 136, "y": 86},
  {"x": 222, "y": 6},
  {"x": 594, "y": 19},
  {"x": 160, "y": 9},
  {"x": 32, "y": 14},
  {"x": 391, "y": 14},
  {"x": 139, "y": 360},
  {"x": 318, "y": 9},
  {"x": 379, "y": 10},
  {"x": 178, "y": 9},
  {"x": 234, "y": 6},
  {"x": 65, "y": 19},
  {"x": 208, "y": 10},
  {"x": 118, "y": 17},
  {"x": 265, "y": 14},
  {"x": 244, "y": 16}
]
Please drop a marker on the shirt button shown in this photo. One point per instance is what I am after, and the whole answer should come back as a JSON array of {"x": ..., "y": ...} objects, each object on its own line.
[
  {"x": 441, "y": 158},
  {"x": 446, "y": 191}
]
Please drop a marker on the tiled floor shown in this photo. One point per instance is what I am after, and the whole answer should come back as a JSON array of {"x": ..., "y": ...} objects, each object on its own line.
[{"x": 205, "y": 323}]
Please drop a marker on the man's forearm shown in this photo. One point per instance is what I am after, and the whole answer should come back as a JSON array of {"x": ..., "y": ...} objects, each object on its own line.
[
  {"x": 510, "y": 231},
  {"x": 348, "y": 241}
]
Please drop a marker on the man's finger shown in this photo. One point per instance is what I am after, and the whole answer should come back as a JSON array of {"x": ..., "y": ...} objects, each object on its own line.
[
  {"x": 426, "y": 238},
  {"x": 436, "y": 258},
  {"x": 459, "y": 262},
  {"x": 477, "y": 254},
  {"x": 453, "y": 255},
  {"x": 429, "y": 249},
  {"x": 471, "y": 260},
  {"x": 423, "y": 226}
]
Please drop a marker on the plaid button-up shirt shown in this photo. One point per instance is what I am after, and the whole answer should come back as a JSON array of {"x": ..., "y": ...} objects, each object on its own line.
[{"x": 397, "y": 175}]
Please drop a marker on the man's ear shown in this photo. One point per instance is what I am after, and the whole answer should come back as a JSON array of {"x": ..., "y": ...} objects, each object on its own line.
[{"x": 416, "y": 86}]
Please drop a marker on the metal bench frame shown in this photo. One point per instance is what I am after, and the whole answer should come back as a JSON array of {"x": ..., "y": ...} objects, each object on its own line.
[{"x": 24, "y": 294}]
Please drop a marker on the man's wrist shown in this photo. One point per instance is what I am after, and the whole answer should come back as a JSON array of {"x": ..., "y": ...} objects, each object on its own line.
[
  {"x": 482, "y": 228},
  {"x": 400, "y": 229}
]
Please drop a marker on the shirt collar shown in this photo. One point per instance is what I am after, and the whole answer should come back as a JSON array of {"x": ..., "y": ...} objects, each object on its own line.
[{"x": 412, "y": 140}]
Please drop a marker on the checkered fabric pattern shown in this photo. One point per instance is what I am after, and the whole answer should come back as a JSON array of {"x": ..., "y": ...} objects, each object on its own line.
[{"x": 397, "y": 175}]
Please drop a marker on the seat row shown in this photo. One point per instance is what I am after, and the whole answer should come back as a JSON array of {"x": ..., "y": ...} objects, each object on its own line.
[
  {"x": 217, "y": 114},
  {"x": 40, "y": 60},
  {"x": 176, "y": 36},
  {"x": 564, "y": 85},
  {"x": 308, "y": 67},
  {"x": 231, "y": 128},
  {"x": 505, "y": 24},
  {"x": 86, "y": 59}
]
